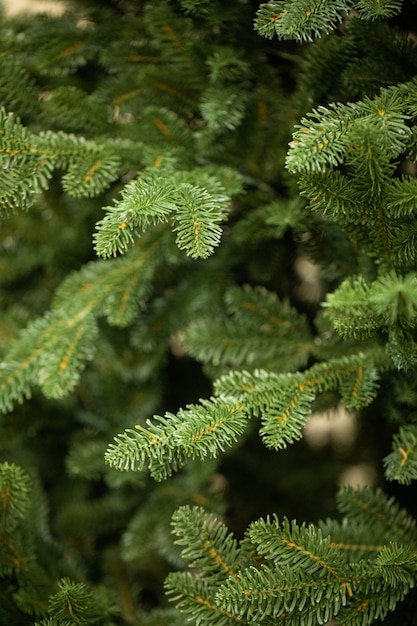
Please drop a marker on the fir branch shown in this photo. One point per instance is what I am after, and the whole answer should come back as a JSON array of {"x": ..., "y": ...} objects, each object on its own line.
[
  {"x": 161, "y": 617},
  {"x": 223, "y": 107},
  {"x": 15, "y": 487},
  {"x": 70, "y": 344},
  {"x": 373, "y": 132},
  {"x": 72, "y": 110},
  {"x": 28, "y": 161},
  {"x": 351, "y": 301},
  {"x": 380, "y": 514},
  {"x": 228, "y": 66},
  {"x": 253, "y": 334},
  {"x": 398, "y": 565},
  {"x": 24, "y": 172},
  {"x": 301, "y": 547},
  {"x": 284, "y": 401},
  {"x": 197, "y": 212},
  {"x": 206, "y": 429},
  {"x": 373, "y": 598},
  {"x": 207, "y": 543},
  {"x": 401, "y": 348},
  {"x": 76, "y": 603},
  {"x": 283, "y": 595},
  {"x": 53, "y": 350},
  {"x": 299, "y": 19},
  {"x": 352, "y": 541},
  {"x": 150, "y": 527},
  {"x": 18, "y": 91},
  {"x": 334, "y": 194},
  {"x": 285, "y": 592},
  {"x": 284, "y": 418},
  {"x": 66, "y": 49},
  {"x": 197, "y": 220},
  {"x": 400, "y": 197},
  {"x": 193, "y": 595},
  {"x": 367, "y": 144},
  {"x": 371, "y": 10},
  {"x": 168, "y": 137},
  {"x": 197, "y": 431},
  {"x": 319, "y": 140},
  {"x": 143, "y": 92},
  {"x": 143, "y": 203},
  {"x": 404, "y": 244},
  {"x": 264, "y": 308},
  {"x": 50, "y": 621},
  {"x": 91, "y": 175},
  {"x": 394, "y": 299},
  {"x": 389, "y": 304},
  {"x": 401, "y": 463},
  {"x": 152, "y": 447}
]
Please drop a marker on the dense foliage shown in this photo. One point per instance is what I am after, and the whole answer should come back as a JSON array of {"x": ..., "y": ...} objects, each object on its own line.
[{"x": 167, "y": 171}]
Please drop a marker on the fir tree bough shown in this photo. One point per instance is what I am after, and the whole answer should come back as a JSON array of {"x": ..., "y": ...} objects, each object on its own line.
[{"x": 166, "y": 170}]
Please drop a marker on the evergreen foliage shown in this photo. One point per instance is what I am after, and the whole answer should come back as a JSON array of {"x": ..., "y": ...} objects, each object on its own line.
[{"x": 146, "y": 351}]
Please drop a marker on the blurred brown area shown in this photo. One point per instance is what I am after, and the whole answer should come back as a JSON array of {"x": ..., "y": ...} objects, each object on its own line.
[{"x": 13, "y": 7}]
